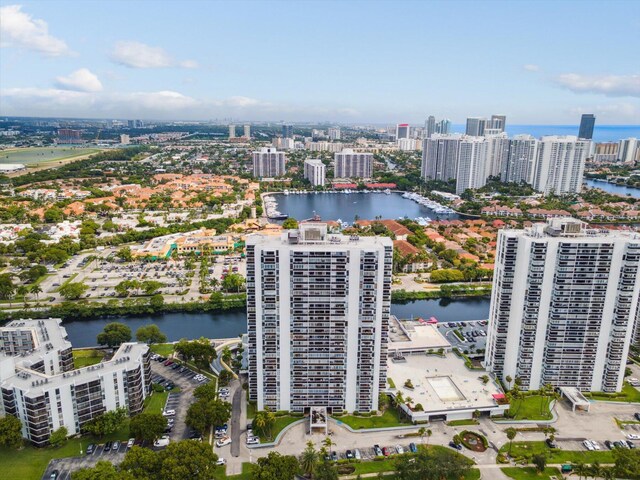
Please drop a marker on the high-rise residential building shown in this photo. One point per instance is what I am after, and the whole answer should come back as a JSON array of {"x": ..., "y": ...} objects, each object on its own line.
[
  {"x": 430, "y": 126},
  {"x": 69, "y": 136},
  {"x": 232, "y": 131},
  {"x": 268, "y": 163},
  {"x": 287, "y": 131},
  {"x": 560, "y": 164},
  {"x": 39, "y": 385},
  {"x": 350, "y": 164},
  {"x": 443, "y": 126},
  {"x": 499, "y": 122},
  {"x": 440, "y": 157},
  {"x": 317, "y": 319},
  {"x": 135, "y": 123},
  {"x": 587, "y": 122},
  {"x": 247, "y": 132},
  {"x": 497, "y": 154},
  {"x": 314, "y": 171},
  {"x": 125, "y": 139},
  {"x": 402, "y": 131},
  {"x": 407, "y": 144},
  {"x": 472, "y": 158},
  {"x": 334, "y": 133},
  {"x": 606, "y": 152},
  {"x": 628, "y": 149},
  {"x": 521, "y": 162},
  {"x": 476, "y": 126},
  {"x": 563, "y": 305}
]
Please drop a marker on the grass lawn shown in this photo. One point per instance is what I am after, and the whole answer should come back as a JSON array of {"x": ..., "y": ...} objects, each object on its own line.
[
  {"x": 251, "y": 409},
  {"x": 390, "y": 418},
  {"x": 281, "y": 422},
  {"x": 629, "y": 394},
  {"x": 30, "y": 462},
  {"x": 525, "y": 450},
  {"x": 245, "y": 475},
  {"x": 388, "y": 465},
  {"x": 530, "y": 408},
  {"x": 162, "y": 349},
  {"x": 155, "y": 403},
  {"x": 529, "y": 473},
  {"x": 457, "y": 423},
  {"x": 84, "y": 358}
]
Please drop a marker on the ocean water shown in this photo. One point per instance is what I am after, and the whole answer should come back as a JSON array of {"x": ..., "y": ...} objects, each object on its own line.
[{"x": 601, "y": 133}]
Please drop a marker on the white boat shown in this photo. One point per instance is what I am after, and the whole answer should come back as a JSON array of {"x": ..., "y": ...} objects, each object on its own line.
[
  {"x": 286, "y": 192},
  {"x": 387, "y": 192}
]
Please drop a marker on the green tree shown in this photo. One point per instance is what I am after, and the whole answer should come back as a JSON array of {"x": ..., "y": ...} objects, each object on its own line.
[
  {"x": 114, "y": 334},
  {"x": 539, "y": 461},
  {"x": 188, "y": 459},
  {"x": 150, "y": 334},
  {"x": 73, "y": 290},
  {"x": 7, "y": 287},
  {"x": 124, "y": 254},
  {"x": 224, "y": 378},
  {"x": 511, "y": 434},
  {"x": 309, "y": 460},
  {"x": 206, "y": 391},
  {"x": 106, "y": 423},
  {"x": 263, "y": 422},
  {"x": 200, "y": 351},
  {"x": 147, "y": 426},
  {"x": 142, "y": 463},
  {"x": 157, "y": 301},
  {"x": 204, "y": 414},
  {"x": 290, "y": 224},
  {"x": 275, "y": 467},
  {"x": 35, "y": 290},
  {"x": 53, "y": 215},
  {"x": 58, "y": 437},
  {"x": 151, "y": 286},
  {"x": 627, "y": 462},
  {"x": 10, "y": 432},
  {"x": 233, "y": 282},
  {"x": 102, "y": 471},
  {"x": 324, "y": 469},
  {"x": 509, "y": 380}
]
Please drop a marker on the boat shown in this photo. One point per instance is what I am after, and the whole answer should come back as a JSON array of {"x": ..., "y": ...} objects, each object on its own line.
[
  {"x": 286, "y": 192},
  {"x": 432, "y": 321},
  {"x": 387, "y": 191},
  {"x": 278, "y": 216}
]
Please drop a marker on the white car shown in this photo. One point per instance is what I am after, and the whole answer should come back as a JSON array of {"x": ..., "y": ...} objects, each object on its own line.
[
  {"x": 399, "y": 449},
  {"x": 223, "y": 441},
  {"x": 169, "y": 413},
  {"x": 356, "y": 454},
  {"x": 596, "y": 445},
  {"x": 633, "y": 436},
  {"x": 221, "y": 461},
  {"x": 253, "y": 440},
  {"x": 131, "y": 442},
  {"x": 162, "y": 441},
  {"x": 587, "y": 444}
]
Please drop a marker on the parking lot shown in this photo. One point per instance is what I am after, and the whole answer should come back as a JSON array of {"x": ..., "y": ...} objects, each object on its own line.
[
  {"x": 181, "y": 377},
  {"x": 474, "y": 333}
]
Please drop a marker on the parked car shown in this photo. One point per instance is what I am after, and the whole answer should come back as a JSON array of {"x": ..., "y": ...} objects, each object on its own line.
[
  {"x": 413, "y": 447},
  {"x": 162, "y": 441},
  {"x": 550, "y": 443},
  {"x": 221, "y": 461},
  {"x": 169, "y": 413},
  {"x": 223, "y": 441},
  {"x": 90, "y": 448},
  {"x": 399, "y": 449},
  {"x": 455, "y": 445},
  {"x": 385, "y": 451},
  {"x": 633, "y": 436},
  {"x": 630, "y": 444},
  {"x": 637, "y": 416},
  {"x": 608, "y": 444},
  {"x": 356, "y": 454},
  {"x": 377, "y": 450},
  {"x": 131, "y": 442},
  {"x": 115, "y": 447},
  {"x": 107, "y": 446},
  {"x": 334, "y": 456},
  {"x": 54, "y": 475},
  {"x": 253, "y": 440},
  {"x": 349, "y": 454}
]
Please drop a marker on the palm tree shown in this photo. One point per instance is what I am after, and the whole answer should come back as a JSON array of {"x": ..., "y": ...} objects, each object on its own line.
[
  {"x": 22, "y": 292},
  {"x": 580, "y": 469},
  {"x": 595, "y": 470},
  {"x": 259, "y": 421},
  {"x": 422, "y": 431},
  {"x": 309, "y": 459},
  {"x": 35, "y": 290},
  {"x": 511, "y": 434},
  {"x": 398, "y": 399},
  {"x": 328, "y": 443},
  {"x": 429, "y": 433}
]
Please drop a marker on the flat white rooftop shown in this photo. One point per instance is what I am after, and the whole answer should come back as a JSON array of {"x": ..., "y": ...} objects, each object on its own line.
[
  {"x": 442, "y": 383},
  {"x": 412, "y": 336}
]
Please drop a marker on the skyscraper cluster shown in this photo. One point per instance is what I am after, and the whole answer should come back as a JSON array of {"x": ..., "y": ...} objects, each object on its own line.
[
  {"x": 431, "y": 126},
  {"x": 476, "y": 126},
  {"x": 551, "y": 164}
]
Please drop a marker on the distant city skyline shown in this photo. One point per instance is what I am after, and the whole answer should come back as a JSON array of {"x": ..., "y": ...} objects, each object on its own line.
[{"x": 195, "y": 60}]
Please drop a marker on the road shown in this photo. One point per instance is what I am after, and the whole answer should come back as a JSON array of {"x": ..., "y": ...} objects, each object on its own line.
[{"x": 237, "y": 426}]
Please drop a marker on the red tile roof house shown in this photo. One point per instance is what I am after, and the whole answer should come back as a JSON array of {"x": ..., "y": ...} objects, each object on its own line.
[{"x": 405, "y": 249}]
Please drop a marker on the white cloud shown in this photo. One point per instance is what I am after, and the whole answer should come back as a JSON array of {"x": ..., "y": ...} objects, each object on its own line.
[
  {"x": 531, "y": 67},
  {"x": 81, "y": 80},
  {"x": 609, "y": 85},
  {"x": 140, "y": 55},
  {"x": 240, "y": 101},
  {"x": 19, "y": 29},
  {"x": 611, "y": 112}
]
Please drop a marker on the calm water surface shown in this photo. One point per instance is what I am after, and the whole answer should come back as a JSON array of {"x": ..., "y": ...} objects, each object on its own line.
[
  {"x": 345, "y": 207},
  {"x": 615, "y": 189},
  {"x": 83, "y": 333}
]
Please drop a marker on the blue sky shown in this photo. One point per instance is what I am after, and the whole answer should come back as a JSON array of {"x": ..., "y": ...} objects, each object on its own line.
[{"x": 342, "y": 61}]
